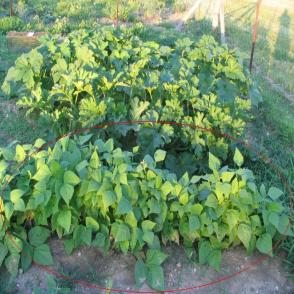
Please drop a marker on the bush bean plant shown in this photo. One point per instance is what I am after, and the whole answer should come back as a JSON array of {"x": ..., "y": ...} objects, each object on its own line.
[
  {"x": 91, "y": 77},
  {"x": 90, "y": 192}
]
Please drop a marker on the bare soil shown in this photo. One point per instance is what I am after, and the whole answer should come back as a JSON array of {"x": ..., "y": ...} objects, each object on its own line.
[{"x": 89, "y": 266}]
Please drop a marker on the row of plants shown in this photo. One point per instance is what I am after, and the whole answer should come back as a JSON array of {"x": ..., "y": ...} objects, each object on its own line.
[
  {"x": 52, "y": 16},
  {"x": 107, "y": 75},
  {"x": 68, "y": 15},
  {"x": 90, "y": 192}
]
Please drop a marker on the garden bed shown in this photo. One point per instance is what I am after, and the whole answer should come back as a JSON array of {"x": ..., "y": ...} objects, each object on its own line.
[{"x": 80, "y": 82}]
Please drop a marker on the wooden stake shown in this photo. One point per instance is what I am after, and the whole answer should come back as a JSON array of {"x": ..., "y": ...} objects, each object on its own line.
[
  {"x": 11, "y": 7},
  {"x": 254, "y": 34},
  {"x": 215, "y": 14},
  {"x": 117, "y": 7},
  {"x": 222, "y": 21},
  {"x": 190, "y": 13}
]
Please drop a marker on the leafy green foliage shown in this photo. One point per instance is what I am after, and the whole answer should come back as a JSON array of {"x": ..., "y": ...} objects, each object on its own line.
[
  {"x": 274, "y": 193},
  {"x": 38, "y": 235},
  {"x": 42, "y": 255},
  {"x": 92, "y": 77},
  {"x": 11, "y": 263},
  {"x": 245, "y": 234},
  {"x": 8, "y": 24},
  {"x": 126, "y": 9},
  {"x": 151, "y": 270},
  {"x": 117, "y": 202}
]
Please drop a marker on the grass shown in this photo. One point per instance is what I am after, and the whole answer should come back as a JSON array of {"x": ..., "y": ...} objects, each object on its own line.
[
  {"x": 14, "y": 125},
  {"x": 273, "y": 60}
]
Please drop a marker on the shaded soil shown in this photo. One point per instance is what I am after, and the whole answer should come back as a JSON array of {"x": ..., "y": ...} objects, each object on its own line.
[{"x": 88, "y": 265}]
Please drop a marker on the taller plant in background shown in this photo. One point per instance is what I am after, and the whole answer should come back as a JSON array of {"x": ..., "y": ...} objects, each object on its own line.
[
  {"x": 123, "y": 9},
  {"x": 91, "y": 77},
  {"x": 181, "y": 5}
]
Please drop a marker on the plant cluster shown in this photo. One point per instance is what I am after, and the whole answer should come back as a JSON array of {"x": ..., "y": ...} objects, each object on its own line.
[
  {"x": 8, "y": 24},
  {"x": 42, "y": 14},
  {"x": 54, "y": 16},
  {"x": 181, "y": 5},
  {"x": 151, "y": 9},
  {"x": 88, "y": 78},
  {"x": 123, "y": 9},
  {"x": 91, "y": 193},
  {"x": 94, "y": 194}
]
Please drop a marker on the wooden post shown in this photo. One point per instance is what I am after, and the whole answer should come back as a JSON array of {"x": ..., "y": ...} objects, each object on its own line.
[
  {"x": 11, "y": 8},
  {"x": 215, "y": 14},
  {"x": 218, "y": 16},
  {"x": 222, "y": 21},
  {"x": 117, "y": 8},
  {"x": 254, "y": 34},
  {"x": 190, "y": 13}
]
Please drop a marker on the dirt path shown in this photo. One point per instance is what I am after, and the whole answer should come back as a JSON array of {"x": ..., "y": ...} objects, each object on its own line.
[{"x": 89, "y": 265}]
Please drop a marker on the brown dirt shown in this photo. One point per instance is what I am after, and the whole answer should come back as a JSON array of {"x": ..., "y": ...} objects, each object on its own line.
[
  {"x": 23, "y": 40},
  {"x": 89, "y": 265},
  {"x": 8, "y": 107}
]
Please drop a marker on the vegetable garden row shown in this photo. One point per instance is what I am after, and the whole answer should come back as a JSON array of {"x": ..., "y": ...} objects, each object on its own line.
[
  {"x": 133, "y": 187},
  {"x": 63, "y": 16}
]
